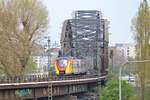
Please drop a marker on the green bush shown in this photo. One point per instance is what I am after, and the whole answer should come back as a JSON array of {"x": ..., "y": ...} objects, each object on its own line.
[{"x": 111, "y": 91}]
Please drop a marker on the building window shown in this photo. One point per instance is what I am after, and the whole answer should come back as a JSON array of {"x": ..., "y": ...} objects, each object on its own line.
[
  {"x": 64, "y": 45},
  {"x": 65, "y": 34}
]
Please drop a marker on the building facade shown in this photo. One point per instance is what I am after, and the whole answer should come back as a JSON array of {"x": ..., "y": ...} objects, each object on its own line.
[
  {"x": 41, "y": 59},
  {"x": 127, "y": 49},
  {"x": 119, "y": 53}
]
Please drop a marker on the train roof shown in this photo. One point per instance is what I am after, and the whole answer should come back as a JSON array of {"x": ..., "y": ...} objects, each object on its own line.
[{"x": 68, "y": 58}]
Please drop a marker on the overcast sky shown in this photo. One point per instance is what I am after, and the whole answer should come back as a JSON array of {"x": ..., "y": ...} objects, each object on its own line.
[{"x": 118, "y": 12}]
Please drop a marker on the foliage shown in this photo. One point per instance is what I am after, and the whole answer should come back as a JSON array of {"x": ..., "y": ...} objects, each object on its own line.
[
  {"x": 111, "y": 91},
  {"x": 31, "y": 66},
  {"x": 141, "y": 29},
  {"x": 21, "y": 23}
]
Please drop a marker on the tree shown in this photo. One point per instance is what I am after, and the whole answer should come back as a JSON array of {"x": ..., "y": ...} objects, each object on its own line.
[
  {"x": 31, "y": 66},
  {"x": 141, "y": 29},
  {"x": 111, "y": 91},
  {"x": 21, "y": 23}
]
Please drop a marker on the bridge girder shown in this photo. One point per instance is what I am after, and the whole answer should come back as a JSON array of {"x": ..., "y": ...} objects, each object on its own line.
[{"x": 86, "y": 35}]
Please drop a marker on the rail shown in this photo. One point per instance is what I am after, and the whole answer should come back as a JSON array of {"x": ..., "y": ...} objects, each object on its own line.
[
  {"x": 54, "y": 82},
  {"x": 41, "y": 78}
]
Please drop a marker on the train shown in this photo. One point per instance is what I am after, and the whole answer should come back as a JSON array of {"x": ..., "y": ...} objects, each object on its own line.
[{"x": 70, "y": 66}]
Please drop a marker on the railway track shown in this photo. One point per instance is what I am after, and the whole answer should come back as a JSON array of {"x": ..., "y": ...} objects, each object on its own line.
[{"x": 41, "y": 78}]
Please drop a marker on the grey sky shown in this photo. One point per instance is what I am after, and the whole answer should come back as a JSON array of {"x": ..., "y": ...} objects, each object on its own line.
[{"x": 118, "y": 12}]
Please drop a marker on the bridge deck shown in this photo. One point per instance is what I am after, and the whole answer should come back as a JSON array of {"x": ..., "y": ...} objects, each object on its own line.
[{"x": 35, "y": 84}]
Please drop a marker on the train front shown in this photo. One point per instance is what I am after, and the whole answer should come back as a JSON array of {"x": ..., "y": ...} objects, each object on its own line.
[{"x": 63, "y": 65}]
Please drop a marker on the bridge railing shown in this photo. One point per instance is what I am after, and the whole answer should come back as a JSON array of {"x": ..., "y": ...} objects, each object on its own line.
[{"x": 41, "y": 78}]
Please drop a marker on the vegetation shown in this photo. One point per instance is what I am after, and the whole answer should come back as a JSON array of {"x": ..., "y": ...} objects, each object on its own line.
[
  {"x": 111, "y": 91},
  {"x": 141, "y": 29},
  {"x": 21, "y": 23},
  {"x": 31, "y": 66}
]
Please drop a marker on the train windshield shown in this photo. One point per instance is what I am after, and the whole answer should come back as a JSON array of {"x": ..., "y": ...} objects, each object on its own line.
[
  {"x": 75, "y": 63},
  {"x": 62, "y": 63}
]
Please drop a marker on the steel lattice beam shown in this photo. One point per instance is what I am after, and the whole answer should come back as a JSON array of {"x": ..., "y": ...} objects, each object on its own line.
[{"x": 86, "y": 35}]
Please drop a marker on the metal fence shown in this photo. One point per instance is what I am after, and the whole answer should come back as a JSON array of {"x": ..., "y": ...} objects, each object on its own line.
[{"x": 41, "y": 78}]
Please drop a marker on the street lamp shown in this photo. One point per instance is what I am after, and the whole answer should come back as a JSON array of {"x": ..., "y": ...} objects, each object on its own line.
[{"x": 120, "y": 71}]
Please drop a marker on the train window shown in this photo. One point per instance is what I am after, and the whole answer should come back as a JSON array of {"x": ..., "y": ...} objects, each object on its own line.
[
  {"x": 75, "y": 63},
  {"x": 62, "y": 63}
]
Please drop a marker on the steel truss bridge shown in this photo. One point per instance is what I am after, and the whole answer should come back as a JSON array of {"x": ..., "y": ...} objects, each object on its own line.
[{"x": 84, "y": 36}]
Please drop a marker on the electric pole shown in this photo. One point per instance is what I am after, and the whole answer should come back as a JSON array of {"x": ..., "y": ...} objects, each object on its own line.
[{"x": 50, "y": 89}]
